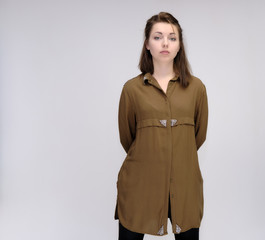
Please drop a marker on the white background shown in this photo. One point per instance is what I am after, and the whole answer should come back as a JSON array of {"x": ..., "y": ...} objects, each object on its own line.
[{"x": 62, "y": 68}]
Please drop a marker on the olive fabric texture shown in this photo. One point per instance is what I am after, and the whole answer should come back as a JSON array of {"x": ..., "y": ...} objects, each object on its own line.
[{"x": 161, "y": 134}]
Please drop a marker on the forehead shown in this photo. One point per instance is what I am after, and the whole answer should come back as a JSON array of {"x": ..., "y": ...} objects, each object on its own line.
[{"x": 164, "y": 28}]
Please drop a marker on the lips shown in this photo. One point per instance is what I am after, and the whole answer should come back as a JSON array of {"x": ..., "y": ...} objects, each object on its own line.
[{"x": 164, "y": 52}]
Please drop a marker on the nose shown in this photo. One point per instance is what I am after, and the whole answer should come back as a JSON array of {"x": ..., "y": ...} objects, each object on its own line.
[{"x": 165, "y": 42}]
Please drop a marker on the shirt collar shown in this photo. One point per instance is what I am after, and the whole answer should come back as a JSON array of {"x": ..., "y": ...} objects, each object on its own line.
[{"x": 148, "y": 78}]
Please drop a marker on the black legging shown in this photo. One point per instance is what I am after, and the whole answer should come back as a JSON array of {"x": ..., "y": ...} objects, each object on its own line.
[{"x": 125, "y": 234}]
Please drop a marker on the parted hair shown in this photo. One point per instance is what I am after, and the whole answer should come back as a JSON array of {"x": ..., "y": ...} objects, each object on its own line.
[{"x": 180, "y": 64}]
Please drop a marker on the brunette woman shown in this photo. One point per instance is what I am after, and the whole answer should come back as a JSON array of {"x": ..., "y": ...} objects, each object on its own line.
[{"x": 163, "y": 114}]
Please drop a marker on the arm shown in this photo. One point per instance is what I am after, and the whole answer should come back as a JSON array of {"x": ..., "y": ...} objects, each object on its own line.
[
  {"x": 201, "y": 118},
  {"x": 127, "y": 120}
]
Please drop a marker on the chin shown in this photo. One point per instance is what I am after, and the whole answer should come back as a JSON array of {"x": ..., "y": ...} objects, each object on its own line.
[{"x": 164, "y": 60}]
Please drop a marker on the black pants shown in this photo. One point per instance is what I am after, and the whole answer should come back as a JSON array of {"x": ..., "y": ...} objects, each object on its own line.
[{"x": 125, "y": 234}]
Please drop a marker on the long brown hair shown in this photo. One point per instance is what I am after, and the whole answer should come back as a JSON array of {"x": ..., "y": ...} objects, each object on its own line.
[{"x": 180, "y": 65}]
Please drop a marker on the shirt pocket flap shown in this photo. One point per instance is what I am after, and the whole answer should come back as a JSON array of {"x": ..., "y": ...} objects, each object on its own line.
[
  {"x": 182, "y": 121},
  {"x": 151, "y": 123}
]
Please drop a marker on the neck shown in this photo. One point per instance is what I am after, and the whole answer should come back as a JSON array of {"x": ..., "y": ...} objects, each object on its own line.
[{"x": 163, "y": 70}]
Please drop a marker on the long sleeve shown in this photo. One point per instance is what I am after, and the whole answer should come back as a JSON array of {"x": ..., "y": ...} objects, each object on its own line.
[
  {"x": 127, "y": 120},
  {"x": 201, "y": 118}
]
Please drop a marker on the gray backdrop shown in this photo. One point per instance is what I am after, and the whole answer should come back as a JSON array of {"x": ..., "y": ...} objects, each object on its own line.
[{"x": 62, "y": 68}]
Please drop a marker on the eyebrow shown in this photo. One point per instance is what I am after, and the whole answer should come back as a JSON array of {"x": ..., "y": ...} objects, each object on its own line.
[{"x": 169, "y": 34}]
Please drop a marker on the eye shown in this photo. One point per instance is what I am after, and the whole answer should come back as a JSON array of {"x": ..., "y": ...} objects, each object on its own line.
[
  {"x": 156, "y": 38},
  {"x": 173, "y": 39}
]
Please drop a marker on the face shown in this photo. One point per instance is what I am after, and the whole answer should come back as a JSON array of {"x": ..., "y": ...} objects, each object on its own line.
[{"x": 163, "y": 42}]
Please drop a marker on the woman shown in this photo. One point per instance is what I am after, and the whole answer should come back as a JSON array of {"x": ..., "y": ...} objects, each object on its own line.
[{"x": 163, "y": 114}]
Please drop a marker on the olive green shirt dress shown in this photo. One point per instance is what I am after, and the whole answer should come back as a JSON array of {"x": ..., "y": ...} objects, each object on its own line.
[{"x": 161, "y": 134}]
